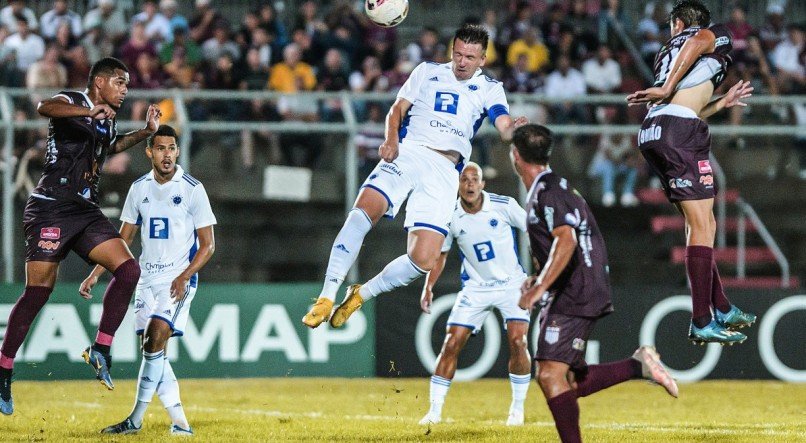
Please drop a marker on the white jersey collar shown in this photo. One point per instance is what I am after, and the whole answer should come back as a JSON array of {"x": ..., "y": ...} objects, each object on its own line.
[
  {"x": 485, "y": 204},
  {"x": 177, "y": 176}
]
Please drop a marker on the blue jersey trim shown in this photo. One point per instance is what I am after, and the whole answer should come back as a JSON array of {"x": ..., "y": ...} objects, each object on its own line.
[
  {"x": 388, "y": 200},
  {"x": 139, "y": 220},
  {"x": 190, "y": 178},
  {"x": 471, "y": 327},
  {"x": 194, "y": 280},
  {"x": 430, "y": 226},
  {"x": 496, "y": 111},
  {"x": 140, "y": 179},
  {"x": 404, "y": 126},
  {"x": 191, "y": 183},
  {"x": 479, "y": 122}
]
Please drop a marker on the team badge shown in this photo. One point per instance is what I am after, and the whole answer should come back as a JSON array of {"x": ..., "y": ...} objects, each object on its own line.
[
  {"x": 578, "y": 344},
  {"x": 177, "y": 199},
  {"x": 493, "y": 222},
  {"x": 473, "y": 87},
  {"x": 552, "y": 334}
]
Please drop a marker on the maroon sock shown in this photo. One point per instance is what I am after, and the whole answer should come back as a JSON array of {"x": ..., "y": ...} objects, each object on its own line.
[
  {"x": 700, "y": 277},
  {"x": 598, "y": 377},
  {"x": 565, "y": 410},
  {"x": 118, "y": 295},
  {"x": 22, "y": 315},
  {"x": 718, "y": 298}
]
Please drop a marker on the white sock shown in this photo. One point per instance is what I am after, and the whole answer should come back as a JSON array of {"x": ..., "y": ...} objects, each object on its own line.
[
  {"x": 399, "y": 272},
  {"x": 520, "y": 386},
  {"x": 148, "y": 378},
  {"x": 168, "y": 392},
  {"x": 438, "y": 391},
  {"x": 345, "y": 251}
]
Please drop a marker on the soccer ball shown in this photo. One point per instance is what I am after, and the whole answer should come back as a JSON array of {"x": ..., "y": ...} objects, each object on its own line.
[{"x": 386, "y": 13}]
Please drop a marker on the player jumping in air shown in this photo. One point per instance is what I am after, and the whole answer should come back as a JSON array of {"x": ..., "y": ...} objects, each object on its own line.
[
  {"x": 428, "y": 131},
  {"x": 572, "y": 287},
  {"x": 62, "y": 214},
  {"x": 177, "y": 240},
  {"x": 676, "y": 144},
  {"x": 482, "y": 226}
]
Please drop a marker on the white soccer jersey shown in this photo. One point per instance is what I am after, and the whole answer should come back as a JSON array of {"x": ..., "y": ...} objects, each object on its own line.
[
  {"x": 445, "y": 112},
  {"x": 487, "y": 242},
  {"x": 168, "y": 215}
]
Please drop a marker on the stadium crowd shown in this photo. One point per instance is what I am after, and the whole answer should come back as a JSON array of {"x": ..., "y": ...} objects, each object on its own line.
[{"x": 559, "y": 49}]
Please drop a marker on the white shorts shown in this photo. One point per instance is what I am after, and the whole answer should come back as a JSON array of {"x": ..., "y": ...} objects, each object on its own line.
[
  {"x": 472, "y": 307},
  {"x": 154, "y": 301},
  {"x": 428, "y": 179}
]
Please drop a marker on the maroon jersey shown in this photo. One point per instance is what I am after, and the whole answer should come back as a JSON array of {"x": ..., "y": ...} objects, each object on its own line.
[
  {"x": 583, "y": 288},
  {"x": 710, "y": 67},
  {"x": 76, "y": 150}
]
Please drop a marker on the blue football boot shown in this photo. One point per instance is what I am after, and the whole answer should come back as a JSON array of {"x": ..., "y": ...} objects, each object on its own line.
[
  {"x": 124, "y": 427},
  {"x": 6, "y": 402},
  {"x": 735, "y": 318},
  {"x": 714, "y": 333},
  {"x": 101, "y": 363}
]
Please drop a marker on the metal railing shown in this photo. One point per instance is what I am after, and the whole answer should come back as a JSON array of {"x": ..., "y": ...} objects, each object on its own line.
[
  {"x": 747, "y": 211},
  {"x": 350, "y": 127}
]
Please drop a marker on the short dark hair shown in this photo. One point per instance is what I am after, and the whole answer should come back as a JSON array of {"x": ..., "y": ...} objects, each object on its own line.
[
  {"x": 162, "y": 131},
  {"x": 691, "y": 13},
  {"x": 473, "y": 34},
  {"x": 105, "y": 66},
  {"x": 534, "y": 143}
]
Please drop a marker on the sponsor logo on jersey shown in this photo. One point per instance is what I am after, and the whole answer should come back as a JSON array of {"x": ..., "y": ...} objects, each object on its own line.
[
  {"x": 157, "y": 267},
  {"x": 707, "y": 180},
  {"x": 50, "y": 233},
  {"x": 462, "y": 232},
  {"x": 446, "y": 102},
  {"x": 705, "y": 166},
  {"x": 578, "y": 344},
  {"x": 552, "y": 334},
  {"x": 433, "y": 79},
  {"x": 676, "y": 183},
  {"x": 48, "y": 245},
  {"x": 391, "y": 168},
  {"x": 447, "y": 128},
  {"x": 649, "y": 134},
  {"x": 724, "y": 40},
  {"x": 484, "y": 251},
  {"x": 158, "y": 228},
  {"x": 145, "y": 200}
]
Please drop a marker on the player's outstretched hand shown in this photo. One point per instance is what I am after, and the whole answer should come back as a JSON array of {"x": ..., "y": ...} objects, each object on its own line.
[
  {"x": 86, "y": 287},
  {"x": 179, "y": 287},
  {"x": 520, "y": 121},
  {"x": 650, "y": 95},
  {"x": 153, "y": 118},
  {"x": 737, "y": 93},
  {"x": 100, "y": 112},
  {"x": 389, "y": 150},
  {"x": 425, "y": 300}
]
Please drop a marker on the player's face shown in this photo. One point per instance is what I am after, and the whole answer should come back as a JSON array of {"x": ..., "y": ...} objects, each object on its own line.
[
  {"x": 470, "y": 185},
  {"x": 114, "y": 88},
  {"x": 467, "y": 57},
  {"x": 163, "y": 154}
]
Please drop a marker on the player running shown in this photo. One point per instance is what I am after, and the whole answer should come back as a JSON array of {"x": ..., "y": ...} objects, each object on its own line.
[
  {"x": 676, "y": 144},
  {"x": 428, "y": 131},
  {"x": 62, "y": 214},
  {"x": 573, "y": 288},
  {"x": 177, "y": 240},
  {"x": 482, "y": 226}
]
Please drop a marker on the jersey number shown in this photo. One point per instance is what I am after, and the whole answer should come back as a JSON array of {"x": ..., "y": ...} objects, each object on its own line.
[
  {"x": 446, "y": 102},
  {"x": 666, "y": 64},
  {"x": 158, "y": 228},
  {"x": 484, "y": 251}
]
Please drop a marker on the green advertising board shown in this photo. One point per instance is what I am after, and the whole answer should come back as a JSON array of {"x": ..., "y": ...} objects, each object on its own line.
[{"x": 234, "y": 330}]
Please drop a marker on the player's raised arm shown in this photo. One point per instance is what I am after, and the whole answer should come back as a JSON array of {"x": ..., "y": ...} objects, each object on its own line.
[
  {"x": 61, "y": 107},
  {"x": 733, "y": 97},
  {"x": 126, "y": 141},
  {"x": 562, "y": 249},
  {"x": 389, "y": 148},
  {"x": 506, "y": 125},
  {"x": 701, "y": 43}
]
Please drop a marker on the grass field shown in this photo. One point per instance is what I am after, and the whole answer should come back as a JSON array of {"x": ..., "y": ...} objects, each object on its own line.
[{"x": 388, "y": 409}]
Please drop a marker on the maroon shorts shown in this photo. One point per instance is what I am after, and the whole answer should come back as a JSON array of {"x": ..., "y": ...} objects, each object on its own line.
[
  {"x": 677, "y": 149},
  {"x": 563, "y": 338},
  {"x": 55, "y": 227}
]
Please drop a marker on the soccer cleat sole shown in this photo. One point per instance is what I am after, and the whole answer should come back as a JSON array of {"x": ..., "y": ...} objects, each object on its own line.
[
  {"x": 347, "y": 308},
  {"x": 86, "y": 356}
]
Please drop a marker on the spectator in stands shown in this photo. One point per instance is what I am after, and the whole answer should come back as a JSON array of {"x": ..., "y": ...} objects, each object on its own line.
[
  {"x": 78, "y": 67},
  {"x": 774, "y": 30},
  {"x": 58, "y": 15},
  {"x": 649, "y": 33},
  {"x": 344, "y": 38},
  {"x": 249, "y": 23},
  {"x": 299, "y": 149},
  {"x": 615, "y": 157},
  {"x": 553, "y": 26},
  {"x": 255, "y": 78},
  {"x": 368, "y": 139},
  {"x": 400, "y": 73},
  {"x": 262, "y": 42},
  {"x": 157, "y": 27},
  {"x": 180, "y": 59},
  {"x": 96, "y": 44},
  {"x": 370, "y": 78},
  {"x": 381, "y": 43},
  {"x": 46, "y": 73},
  {"x": 270, "y": 22},
  {"x": 602, "y": 73},
  {"x": 517, "y": 23},
  {"x": 571, "y": 47},
  {"x": 426, "y": 47},
  {"x": 27, "y": 46},
  {"x": 563, "y": 83},
  {"x": 740, "y": 31},
  {"x": 8, "y": 71},
  {"x": 537, "y": 54},
  {"x": 490, "y": 24},
  {"x": 331, "y": 77},
  {"x": 292, "y": 74},
  {"x": 518, "y": 78},
  {"x": 220, "y": 44},
  {"x": 310, "y": 45},
  {"x": 788, "y": 60},
  {"x": 145, "y": 74},
  {"x": 176, "y": 20},
  {"x": 204, "y": 21},
  {"x": 64, "y": 38},
  {"x": 308, "y": 18},
  {"x": 583, "y": 24},
  {"x": 8, "y": 16},
  {"x": 110, "y": 18},
  {"x": 137, "y": 44},
  {"x": 611, "y": 18}
]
